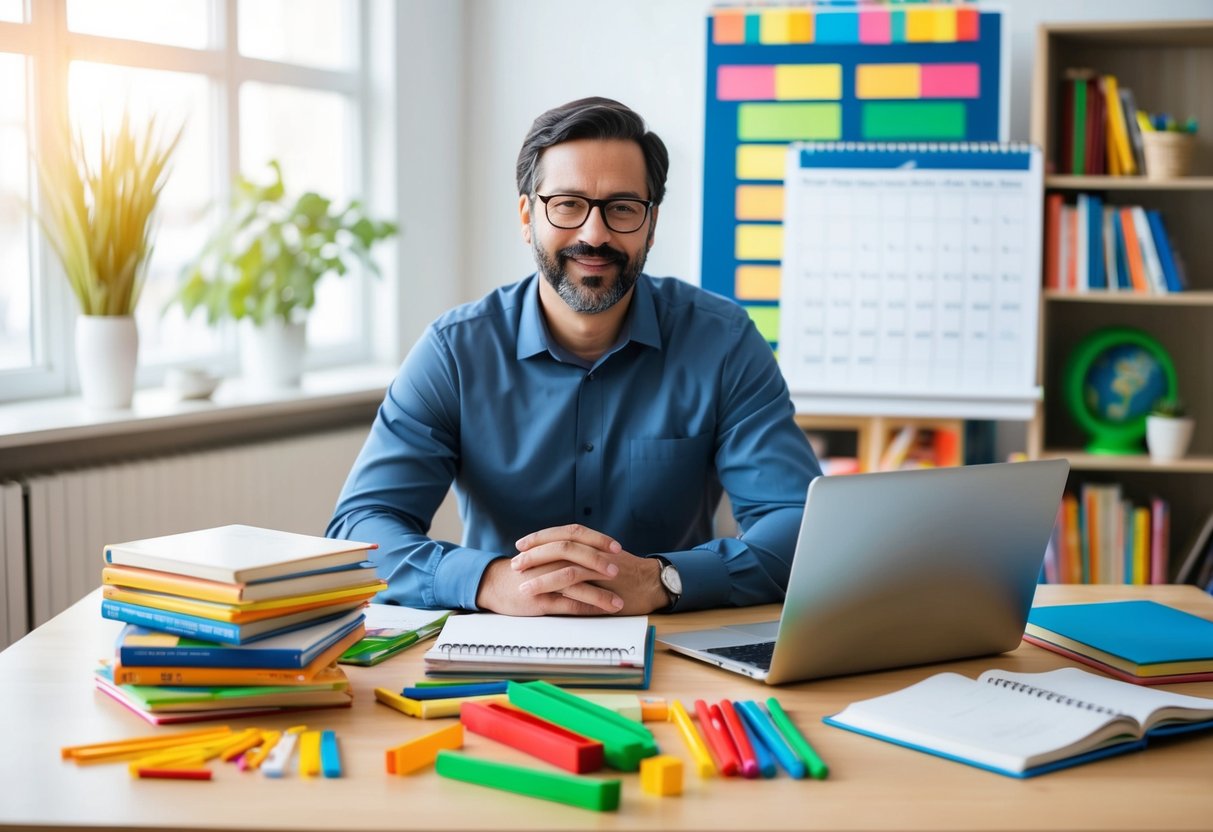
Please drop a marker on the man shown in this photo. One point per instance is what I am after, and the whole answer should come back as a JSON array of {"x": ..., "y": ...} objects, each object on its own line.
[{"x": 588, "y": 416}]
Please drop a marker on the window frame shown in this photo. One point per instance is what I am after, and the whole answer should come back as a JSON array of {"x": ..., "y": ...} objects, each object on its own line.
[{"x": 49, "y": 48}]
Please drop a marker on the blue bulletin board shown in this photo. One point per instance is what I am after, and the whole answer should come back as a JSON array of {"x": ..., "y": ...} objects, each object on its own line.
[{"x": 837, "y": 71}]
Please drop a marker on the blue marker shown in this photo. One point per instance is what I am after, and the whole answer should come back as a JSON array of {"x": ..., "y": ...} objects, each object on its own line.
[
  {"x": 330, "y": 756},
  {"x": 454, "y": 691},
  {"x": 758, "y": 720},
  {"x": 766, "y": 762}
]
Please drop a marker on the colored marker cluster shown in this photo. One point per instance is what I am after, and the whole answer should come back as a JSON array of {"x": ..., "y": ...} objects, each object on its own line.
[
  {"x": 743, "y": 738},
  {"x": 184, "y": 756}
]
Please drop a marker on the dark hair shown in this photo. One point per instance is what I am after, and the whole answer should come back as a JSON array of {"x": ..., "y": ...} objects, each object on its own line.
[{"x": 592, "y": 118}]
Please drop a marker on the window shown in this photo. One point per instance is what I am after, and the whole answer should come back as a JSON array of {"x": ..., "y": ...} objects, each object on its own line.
[{"x": 247, "y": 81}]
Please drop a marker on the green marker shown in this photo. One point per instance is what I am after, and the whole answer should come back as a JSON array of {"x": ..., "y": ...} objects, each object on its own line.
[
  {"x": 818, "y": 770},
  {"x": 583, "y": 792}
]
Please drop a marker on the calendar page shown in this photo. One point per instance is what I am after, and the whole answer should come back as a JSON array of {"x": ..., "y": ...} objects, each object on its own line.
[{"x": 911, "y": 274}]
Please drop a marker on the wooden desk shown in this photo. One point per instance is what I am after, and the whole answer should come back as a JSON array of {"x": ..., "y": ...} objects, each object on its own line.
[{"x": 47, "y": 701}]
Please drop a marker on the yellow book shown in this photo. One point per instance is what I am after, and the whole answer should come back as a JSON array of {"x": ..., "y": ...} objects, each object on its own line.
[
  {"x": 1118, "y": 131},
  {"x": 1141, "y": 545},
  {"x": 133, "y": 577},
  {"x": 258, "y": 611}
]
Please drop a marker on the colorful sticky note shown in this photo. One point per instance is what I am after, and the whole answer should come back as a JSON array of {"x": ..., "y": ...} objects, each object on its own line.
[
  {"x": 807, "y": 81},
  {"x": 888, "y": 81},
  {"x": 775, "y": 26},
  {"x": 968, "y": 24},
  {"x": 911, "y": 120},
  {"x": 766, "y": 318},
  {"x": 745, "y": 83},
  {"x": 789, "y": 122},
  {"x": 920, "y": 25},
  {"x": 951, "y": 80},
  {"x": 836, "y": 27},
  {"x": 760, "y": 202},
  {"x": 875, "y": 26},
  {"x": 945, "y": 24},
  {"x": 728, "y": 26},
  {"x": 757, "y": 283},
  {"x": 759, "y": 242},
  {"x": 800, "y": 26},
  {"x": 761, "y": 161}
]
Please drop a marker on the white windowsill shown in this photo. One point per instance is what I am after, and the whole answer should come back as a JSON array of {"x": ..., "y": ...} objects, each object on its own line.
[{"x": 66, "y": 419}]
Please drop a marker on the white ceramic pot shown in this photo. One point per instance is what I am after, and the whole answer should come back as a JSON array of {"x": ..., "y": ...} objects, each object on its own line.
[
  {"x": 1168, "y": 438},
  {"x": 107, "y": 350},
  {"x": 271, "y": 355}
]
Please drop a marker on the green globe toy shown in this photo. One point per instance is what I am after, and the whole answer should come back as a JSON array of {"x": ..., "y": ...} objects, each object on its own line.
[{"x": 1112, "y": 380}]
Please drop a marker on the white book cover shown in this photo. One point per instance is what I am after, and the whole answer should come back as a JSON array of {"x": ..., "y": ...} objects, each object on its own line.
[
  {"x": 237, "y": 554},
  {"x": 1149, "y": 254},
  {"x": 1083, "y": 272},
  {"x": 1109, "y": 251}
]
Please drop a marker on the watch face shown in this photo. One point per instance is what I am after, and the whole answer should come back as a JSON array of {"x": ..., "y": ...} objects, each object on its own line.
[{"x": 671, "y": 580}]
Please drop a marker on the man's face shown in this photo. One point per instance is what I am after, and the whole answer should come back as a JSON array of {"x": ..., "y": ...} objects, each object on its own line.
[{"x": 592, "y": 267}]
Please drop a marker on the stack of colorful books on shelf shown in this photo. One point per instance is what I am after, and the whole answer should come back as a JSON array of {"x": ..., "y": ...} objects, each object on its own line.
[
  {"x": 1101, "y": 537},
  {"x": 1091, "y": 246},
  {"x": 233, "y": 621},
  {"x": 1100, "y": 130}
]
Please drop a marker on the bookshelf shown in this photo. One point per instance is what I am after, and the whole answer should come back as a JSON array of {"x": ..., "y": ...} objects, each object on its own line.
[
  {"x": 1168, "y": 66},
  {"x": 867, "y": 439}
]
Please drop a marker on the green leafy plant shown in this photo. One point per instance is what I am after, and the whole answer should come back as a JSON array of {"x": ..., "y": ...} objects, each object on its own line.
[
  {"x": 269, "y": 253},
  {"x": 99, "y": 219},
  {"x": 1171, "y": 408}
]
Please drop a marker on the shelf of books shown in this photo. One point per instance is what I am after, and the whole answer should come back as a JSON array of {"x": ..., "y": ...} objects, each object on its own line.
[
  {"x": 861, "y": 444},
  {"x": 1123, "y": 114}
]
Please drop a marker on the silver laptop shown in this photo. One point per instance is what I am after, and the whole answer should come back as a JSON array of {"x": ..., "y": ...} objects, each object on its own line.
[{"x": 900, "y": 568}]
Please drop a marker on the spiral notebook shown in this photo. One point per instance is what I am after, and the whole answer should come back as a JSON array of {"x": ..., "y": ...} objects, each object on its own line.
[
  {"x": 1024, "y": 724},
  {"x": 911, "y": 278},
  {"x": 607, "y": 651}
]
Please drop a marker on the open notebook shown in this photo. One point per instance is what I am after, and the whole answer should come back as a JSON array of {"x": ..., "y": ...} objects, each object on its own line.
[{"x": 598, "y": 651}]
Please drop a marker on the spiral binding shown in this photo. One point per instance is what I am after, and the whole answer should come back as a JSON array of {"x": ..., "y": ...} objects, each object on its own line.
[
  {"x": 541, "y": 653},
  {"x": 916, "y": 147},
  {"x": 1051, "y": 696}
]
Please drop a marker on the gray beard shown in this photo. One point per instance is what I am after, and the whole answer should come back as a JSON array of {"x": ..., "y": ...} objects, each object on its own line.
[{"x": 592, "y": 295}]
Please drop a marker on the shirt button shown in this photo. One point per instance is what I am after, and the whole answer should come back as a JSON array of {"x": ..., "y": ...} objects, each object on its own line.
[
  {"x": 589, "y": 377},
  {"x": 587, "y": 447}
]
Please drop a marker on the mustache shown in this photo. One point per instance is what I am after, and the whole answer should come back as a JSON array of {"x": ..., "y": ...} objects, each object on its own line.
[{"x": 604, "y": 251}]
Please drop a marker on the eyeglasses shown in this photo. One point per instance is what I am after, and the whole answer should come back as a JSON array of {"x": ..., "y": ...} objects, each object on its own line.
[{"x": 622, "y": 215}]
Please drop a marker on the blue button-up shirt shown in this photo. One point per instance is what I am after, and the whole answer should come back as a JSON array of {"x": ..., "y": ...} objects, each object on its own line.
[{"x": 637, "y": 445}]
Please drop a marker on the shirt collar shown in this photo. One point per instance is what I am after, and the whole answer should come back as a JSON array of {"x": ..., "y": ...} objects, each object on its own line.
[{"x": 641, "y": 324}]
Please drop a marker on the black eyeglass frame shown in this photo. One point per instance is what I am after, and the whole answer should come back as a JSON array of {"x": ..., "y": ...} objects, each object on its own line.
[{"x": 601, "y": 205}]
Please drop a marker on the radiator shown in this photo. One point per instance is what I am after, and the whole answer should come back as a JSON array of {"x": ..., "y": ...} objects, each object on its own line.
[{"x": 69, "y": 516}]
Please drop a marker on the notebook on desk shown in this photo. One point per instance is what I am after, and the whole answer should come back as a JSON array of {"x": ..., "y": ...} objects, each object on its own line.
[{"x": 900, "y": 568}]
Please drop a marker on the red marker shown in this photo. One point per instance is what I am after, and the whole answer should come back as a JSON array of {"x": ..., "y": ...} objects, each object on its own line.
[
  {"x": 749, "y": 760},
  {"x": 724, "y": 753}
]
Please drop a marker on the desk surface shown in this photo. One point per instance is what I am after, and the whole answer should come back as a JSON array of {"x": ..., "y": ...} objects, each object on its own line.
[{"x": 48, "y": 702}]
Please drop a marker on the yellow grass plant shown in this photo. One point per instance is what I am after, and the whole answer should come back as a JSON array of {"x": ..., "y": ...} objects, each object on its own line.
[{"x": 99, "y": 218}]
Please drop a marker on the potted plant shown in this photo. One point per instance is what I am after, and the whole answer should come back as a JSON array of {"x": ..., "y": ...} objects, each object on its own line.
[
  {"x": 99, "y": 222},
  {"x": 1168, "y": 430},
  {"x": 261, "y": 267}
]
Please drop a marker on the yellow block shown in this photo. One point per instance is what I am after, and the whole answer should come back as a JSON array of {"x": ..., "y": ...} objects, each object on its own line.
[
  {"x": 945, "y": 25},
  {"x": 761, "y": 161},
  {"x": 800, "y": 26},
  {"x": 920, "y": 25},
  {"x": 760, "y": 202},
  {"x": 774, "y": 26},
  {"x": 309, "y": 754},
  {"x": 421, "y": 752},
  {"x": 759, "y": 242},
  {"x": 808, "y": 81},
  {"x": 888, "y": 81},
  {"x": 661, "y": 775},
  {"x": 756, "y": 283}
]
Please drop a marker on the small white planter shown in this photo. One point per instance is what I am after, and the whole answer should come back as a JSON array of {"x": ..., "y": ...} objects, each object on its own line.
[
  {"x": 1168, "y": 438},
  {"x": 107, "y": 350},
  {"x": 271, "y": 355}
]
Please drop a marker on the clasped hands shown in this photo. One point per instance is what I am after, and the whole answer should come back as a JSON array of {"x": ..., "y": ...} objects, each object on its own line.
[{"x": 571, "y": 570}]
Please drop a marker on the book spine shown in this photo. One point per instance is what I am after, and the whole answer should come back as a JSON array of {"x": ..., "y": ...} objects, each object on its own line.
[
  {"x": 182, "y": 625},
  {"x": 207, "y": 676},
  {"x": 216, "y": 656},
  {"x": 1160, "y": 540}
]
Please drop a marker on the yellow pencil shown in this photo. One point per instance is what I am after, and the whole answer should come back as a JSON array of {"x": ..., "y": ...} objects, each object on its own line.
[
  {"x": 115, "y": 749},
  {"x": 309, "y": 753},
  {"x": 254, "y": 759},
  {"x": 695, "y": 743},
  {"x": 235, "y": 750}
]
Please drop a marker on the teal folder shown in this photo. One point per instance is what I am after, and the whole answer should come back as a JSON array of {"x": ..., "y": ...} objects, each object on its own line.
[{"x": 1141, "y": 632}]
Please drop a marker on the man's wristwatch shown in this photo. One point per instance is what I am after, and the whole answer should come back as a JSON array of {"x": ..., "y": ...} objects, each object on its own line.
[{"x": 671, "y": 581}]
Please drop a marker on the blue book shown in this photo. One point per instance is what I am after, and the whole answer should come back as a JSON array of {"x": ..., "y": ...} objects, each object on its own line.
[
  {"x": 224, "y": 632},
  {"x": 141, "y": 647},
  {"x": 1096, "y": 274},
  {"x": 1144, "y": 633},
  {"x": 1124, "y": 281},
  {"x": 1024, "y": 724},
  {"x": 1166, "y": 256}
]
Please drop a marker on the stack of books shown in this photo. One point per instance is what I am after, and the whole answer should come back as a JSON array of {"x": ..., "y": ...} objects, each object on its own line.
[{"x": 233, "y": 621}]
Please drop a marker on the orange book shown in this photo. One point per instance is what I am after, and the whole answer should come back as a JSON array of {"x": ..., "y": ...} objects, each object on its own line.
[
  {"x": 1091, "y": 542},
  {"x": 1071, "y": 247},
  {"x": 1053, "y": 204},
  {"x": 1137, "y": 265},
  {"x": 1071, "y": 543}
]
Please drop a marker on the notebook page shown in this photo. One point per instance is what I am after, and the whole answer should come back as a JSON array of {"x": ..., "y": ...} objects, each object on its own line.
[{"x": 606, "y": 640}]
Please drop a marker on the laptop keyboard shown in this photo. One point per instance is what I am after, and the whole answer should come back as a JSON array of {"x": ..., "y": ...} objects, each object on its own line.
[{"x": 758, "y": 654}]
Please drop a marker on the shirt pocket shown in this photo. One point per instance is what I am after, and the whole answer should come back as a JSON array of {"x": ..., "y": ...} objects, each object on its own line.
[{"x": 667, "y": 479}]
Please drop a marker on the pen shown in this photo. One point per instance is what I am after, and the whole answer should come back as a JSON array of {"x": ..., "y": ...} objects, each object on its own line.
[
  {"x": 818, "y": 770},
  {"x": 452, "y": 691},
  {"x": 766, "y": 762},
  {"x": 749, "y": 762},
  {"x": 719, "y": 743},
  {"x": 757, "y": 719},
  {"x": 699, "y": 751}
]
